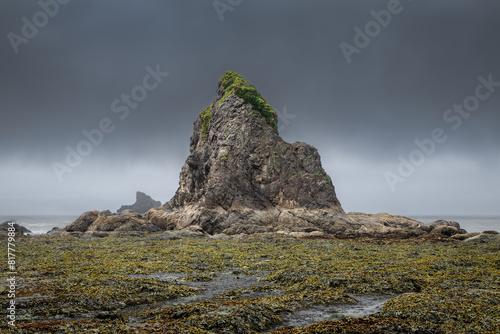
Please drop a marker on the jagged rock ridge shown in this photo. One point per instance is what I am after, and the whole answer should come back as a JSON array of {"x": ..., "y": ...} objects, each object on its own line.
[{"x": 142, "y": 204}]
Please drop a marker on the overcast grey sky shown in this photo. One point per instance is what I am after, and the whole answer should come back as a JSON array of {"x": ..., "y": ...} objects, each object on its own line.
[{"x": 361, "y": 99}]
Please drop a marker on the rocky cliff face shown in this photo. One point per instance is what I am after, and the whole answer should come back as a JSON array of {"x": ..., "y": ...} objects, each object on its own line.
[
  {"x": 142, "y": 203},
  {"x": 241, "y": 177}
]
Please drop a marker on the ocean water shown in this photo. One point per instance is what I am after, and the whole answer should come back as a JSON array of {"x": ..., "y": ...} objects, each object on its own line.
[
  {"x": 39, "y": 224},
  {"x": 468, "y": 223}
]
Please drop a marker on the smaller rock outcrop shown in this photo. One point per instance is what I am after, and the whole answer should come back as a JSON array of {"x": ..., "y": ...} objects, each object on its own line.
[
  {"x": 105, "y": 221},
  {"x": 383, "y": 225},
  {"x": 446, "y": 228},
  {"x": 142, "y": 204},
  {"x": 386, "y": 225},
  {"x": 464, "y": 236},
  {"x": 4, "y": 227},
  {"x": 482, "y": 238},
  {"x": 82, "y": 223},
  {"x": 59, "y": 231}
]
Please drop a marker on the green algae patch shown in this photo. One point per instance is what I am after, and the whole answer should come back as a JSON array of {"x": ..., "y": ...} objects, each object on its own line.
[
  {"x": 365, "y": 326},
  {"x": 478, "y": 310},
  {"x": 239, "y": 316},
  {"x": 233, "y": 83},
  {"x": 146, "y": 284},
  {"x": 206, "y": 118}
]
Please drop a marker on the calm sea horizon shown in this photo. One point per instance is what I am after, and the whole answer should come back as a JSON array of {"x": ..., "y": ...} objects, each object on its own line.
[{"x": 40, "y": 224}]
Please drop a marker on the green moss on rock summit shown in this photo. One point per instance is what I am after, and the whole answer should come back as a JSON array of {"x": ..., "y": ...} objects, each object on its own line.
[{"x": 233, "y": 83}]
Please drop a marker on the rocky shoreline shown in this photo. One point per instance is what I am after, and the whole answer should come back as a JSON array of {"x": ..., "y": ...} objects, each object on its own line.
[{"x": 95, "y": 224}]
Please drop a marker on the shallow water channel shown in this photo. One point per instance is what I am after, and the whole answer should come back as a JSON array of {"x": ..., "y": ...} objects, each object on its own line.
[
  {"x": 366, "y": 305},
  {"x": 224, "y": 282}
]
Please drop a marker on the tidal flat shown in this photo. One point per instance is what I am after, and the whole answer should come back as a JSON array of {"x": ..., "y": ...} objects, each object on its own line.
[{"x": 145, "y": 283}]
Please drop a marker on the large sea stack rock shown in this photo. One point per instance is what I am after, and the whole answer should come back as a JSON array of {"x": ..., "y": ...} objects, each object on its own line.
[
  {"x": 142, "y": 204},
  {"x": 241, "y": 177}
]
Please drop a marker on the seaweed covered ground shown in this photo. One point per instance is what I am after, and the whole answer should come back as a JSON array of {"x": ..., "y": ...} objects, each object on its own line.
[{"x": 150, "y": 284}]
